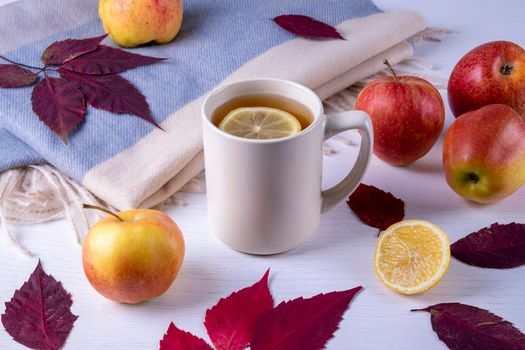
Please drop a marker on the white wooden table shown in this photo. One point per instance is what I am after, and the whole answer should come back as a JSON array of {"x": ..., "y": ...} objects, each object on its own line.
[{"x": 338, "y": 257}]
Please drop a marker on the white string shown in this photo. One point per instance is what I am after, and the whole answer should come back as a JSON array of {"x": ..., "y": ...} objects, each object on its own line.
[
  {"x": 6, "y": 182},
  {"x": 58, "y": 190}
]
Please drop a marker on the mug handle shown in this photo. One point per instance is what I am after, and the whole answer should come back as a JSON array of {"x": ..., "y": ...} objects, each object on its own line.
[{"x": 339, "y": 122}]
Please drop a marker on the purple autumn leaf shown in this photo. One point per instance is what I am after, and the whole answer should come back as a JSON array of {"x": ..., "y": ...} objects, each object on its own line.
[
  {"x": 307, "y": 27},
  {"x": 59, "y": 104},
  {"x": 497, "y": 247},
  {"x": 62, "y": 51},
  {"x": 13, "y": 76},
  {"x": 39, "y": 313},
  {"x": 466, "y": 327},
  {"x": 108, "y": 60},
  {"x": 111, "y": 93}
]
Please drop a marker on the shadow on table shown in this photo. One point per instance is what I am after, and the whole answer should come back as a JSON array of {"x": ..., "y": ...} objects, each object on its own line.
[
  {"x": 426, "y": 166},
  {"x": 462, "y": 283},
  {"x": 192, "y": 288}
]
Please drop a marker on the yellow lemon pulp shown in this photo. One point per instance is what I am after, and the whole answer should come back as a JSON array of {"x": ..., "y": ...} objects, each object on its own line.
[
  {"x": 260, "y": 123},
  {"x": 411, "y": 256}
]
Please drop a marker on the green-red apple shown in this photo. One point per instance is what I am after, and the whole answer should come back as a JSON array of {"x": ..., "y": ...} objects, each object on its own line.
[
  {"x": 484, "y": 153},
  {"x": 491, "y": 73},
  {"x": 131, "y": 23},
  {"x": 407, "y": 114},
  {"x": 134, "y": 255}
]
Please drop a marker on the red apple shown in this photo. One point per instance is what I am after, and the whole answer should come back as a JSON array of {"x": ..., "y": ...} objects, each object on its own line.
[
  {"x": 491, "y": 73},
  {"x": 134, "y": 255},
  {"x": 407, "y": 115},
  {"x": 484, "y": 153}
]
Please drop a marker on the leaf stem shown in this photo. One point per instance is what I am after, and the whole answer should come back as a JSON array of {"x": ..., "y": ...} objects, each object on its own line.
[
  {"x": 89, "y": 206},
  {"x": 43, "y": 69},
  {"x": 20, "y": 64},
  {"x": 391, "y": 69}
]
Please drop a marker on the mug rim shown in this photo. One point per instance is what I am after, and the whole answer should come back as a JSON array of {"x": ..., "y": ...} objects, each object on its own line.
[{"x": 318, "y": 117}]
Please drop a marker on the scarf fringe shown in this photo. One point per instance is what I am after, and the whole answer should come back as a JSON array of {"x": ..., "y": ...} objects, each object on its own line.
[
  {"x": 433, "y": 34},
  {"x": 40, "y": 193}
]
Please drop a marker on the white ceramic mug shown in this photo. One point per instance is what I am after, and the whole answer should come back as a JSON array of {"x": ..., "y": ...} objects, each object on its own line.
[{"x": 264, "y": 196}]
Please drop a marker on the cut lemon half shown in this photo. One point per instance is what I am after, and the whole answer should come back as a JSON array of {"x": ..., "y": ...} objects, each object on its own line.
[
  {"x": 260, "y": 123},
  {"x": 411, "y": 256}
]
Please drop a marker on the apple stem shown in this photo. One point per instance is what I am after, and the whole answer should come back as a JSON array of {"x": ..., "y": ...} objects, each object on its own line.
[
  {"x": 89, "y": 206},
  {"x": 385, "y": 61}
]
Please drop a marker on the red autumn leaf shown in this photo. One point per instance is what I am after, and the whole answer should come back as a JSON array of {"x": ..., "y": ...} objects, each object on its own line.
[
  {"x": 13, "y": 76},
  {"x": 177, "y": 339},
  {"x": 62, "y": 51},
  {"x": 231, "y": 321},
  {"x": 59, "y": 104},
  {"x": 307, "y": 27},
  {"x": 111, "y": 93},
  {"x": 108, "y": 60},
  {"x": 376, "y": 207},
  {"x": 305, "y": 324},
  {"x": 497, "y": 247},
  {"x": 465, "y": 327},
  {"x": 38, "y": 315}
]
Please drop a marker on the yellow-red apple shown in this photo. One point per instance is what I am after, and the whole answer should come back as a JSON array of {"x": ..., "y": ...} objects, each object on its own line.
[
  {"x": 407, "y": 114},
  {"x": 134, "y": 255},
  {"x": 484, "y": 153},
  {"x": 131, "y": 23},
  {"x": 490, "y": 73}
]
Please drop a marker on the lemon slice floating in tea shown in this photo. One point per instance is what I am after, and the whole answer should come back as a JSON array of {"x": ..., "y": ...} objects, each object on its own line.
[
  {"x": 260, "y": 123},
  {"x": 411, "y": 256}
]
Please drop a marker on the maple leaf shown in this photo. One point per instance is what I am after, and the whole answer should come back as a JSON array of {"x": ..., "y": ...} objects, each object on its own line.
[
  {"x": 177, "y": 339},
  {"x": 307, "y": 27},
  {"x": 497, "y": 247},
  {"x": 60, "y": 52},
  {"x": 59, "y": 104},
  {"x": 111, "y": 93},
  {"x": 38, "y": 315},
  {"x": 108, "y": 60},
  {"x": 231, "y": 321},
  {"x": 376, "y": 207},
  {"x": 13, "y": 76},
  {"x": 305, "y": 324},
  {"x": 466, "y": 327}
]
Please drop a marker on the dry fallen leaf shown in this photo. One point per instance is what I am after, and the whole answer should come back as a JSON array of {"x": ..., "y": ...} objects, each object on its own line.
[
  {"x": 466, "y": 327},
  {"x": 38, "y": 315},
  {"x": 307, "y": 27},
  {"x": 376, "y": 207},
  {"x": 497, "y": 247}
]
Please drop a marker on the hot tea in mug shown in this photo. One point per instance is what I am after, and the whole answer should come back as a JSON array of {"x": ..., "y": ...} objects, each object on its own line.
[
  {"x": 262, "y": 116},
  {"x": 264, "y": 183}
]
